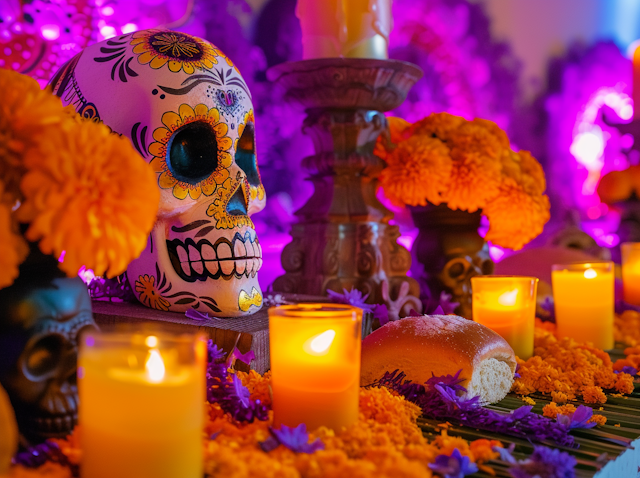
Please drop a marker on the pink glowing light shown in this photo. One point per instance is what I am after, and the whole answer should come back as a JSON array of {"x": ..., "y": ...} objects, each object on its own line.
[
  {"x": 50, "y": 31},
  {"x": 589, "y": 141},
  {"x": 496, "y": 253},
  {"x": 107, "y": 31},
  {"x": 129, "y": 28},
  {"x": 107, "y": 11}
]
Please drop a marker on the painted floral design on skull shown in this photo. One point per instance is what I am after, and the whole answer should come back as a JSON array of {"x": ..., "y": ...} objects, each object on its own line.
[{"x": 191, "y": 117}]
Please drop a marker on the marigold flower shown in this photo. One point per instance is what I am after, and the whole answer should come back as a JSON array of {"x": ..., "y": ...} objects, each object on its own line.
[
  {"x": 418, "y": 171},
  {"x": 27, "y": 114},
  {"x": 598, "y": 419},
  {"x": 88, "y": 192},
  {"x": 14, "y": 248},
  {"x": 515, "y": 217},
  {"x": 476, "y": 168},
  {"x": 469, "y": 166},
  {"x": 593, "y": 394},
  {"x": 438, "y": 125},
  {"x": 566, "y": 369}
]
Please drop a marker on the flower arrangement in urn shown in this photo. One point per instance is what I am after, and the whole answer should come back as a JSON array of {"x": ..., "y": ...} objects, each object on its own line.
[
  {"x": 72, "y": 194},
  {"x": 451, "y": 171}
]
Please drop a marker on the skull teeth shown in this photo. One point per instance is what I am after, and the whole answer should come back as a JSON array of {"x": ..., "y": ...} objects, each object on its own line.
[{"x": 240, "y": 257}]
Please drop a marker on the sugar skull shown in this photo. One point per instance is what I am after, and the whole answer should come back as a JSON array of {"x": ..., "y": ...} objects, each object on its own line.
[
  {"x": 41, "y": 318},
  {"x": 188, "y": 112}
]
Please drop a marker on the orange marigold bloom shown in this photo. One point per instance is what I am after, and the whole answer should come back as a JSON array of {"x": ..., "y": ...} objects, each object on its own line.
[
  {"x": 89, "y": 193},
  {"x": 14, "y": 248},
  {"x": 515, "y": 217},
  {"x": 476, "y": 168},
  {"x": 565, "y": 369},
  {"x": 418, "y": 171},
  {"x": 599, "y": 419},
  {"x": 438, "y": 125},
  {"x": 594, "y": 394},
  {"x": 552, "y": 410},
  {"x": 27, "y": 116},
  {"x": 624, "y": 384},
  {"x": 559, "y": 397}
]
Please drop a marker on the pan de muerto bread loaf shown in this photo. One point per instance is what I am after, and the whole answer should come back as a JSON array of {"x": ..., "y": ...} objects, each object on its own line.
[{"x": 439, "y": 345}]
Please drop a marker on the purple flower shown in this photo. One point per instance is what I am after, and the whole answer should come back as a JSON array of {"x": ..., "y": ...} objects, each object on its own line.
[
  {"x": 454, "y": 466},
  {"x": 628, "y": 369},
  {"x": 246, "y": 358},
  {"x": 578, "y": 419},
  {"x": 352, "y": 297},
  {"x": 545, "y": 463},
  {"x": 381, "y": 312},
  {"x": 439, "y": 400},
  {"x": 197, "y": 315},
  {"x": 516, "y": 374},
  {"x": 229, "y": 392},
  {"x": 451, "y": 381},
  {"x": 506, "y": 453},
  {"x": 295, "y": 439},
  {"x": 38, "y": 455}
]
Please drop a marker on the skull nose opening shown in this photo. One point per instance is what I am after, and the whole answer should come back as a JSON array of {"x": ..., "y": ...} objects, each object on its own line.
[
  {"x": 237, "y": 205},
  {"x": 192, "y": 152}
]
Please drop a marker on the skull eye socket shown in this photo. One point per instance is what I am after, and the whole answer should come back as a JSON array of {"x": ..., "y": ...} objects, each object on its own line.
[
  {"x": 192, "y": 152},
  {"x": 246, "y": 154},
  {"x": 43, "y": 356}
]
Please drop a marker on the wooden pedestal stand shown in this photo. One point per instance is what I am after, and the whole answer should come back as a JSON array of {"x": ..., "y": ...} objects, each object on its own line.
[{"x": 343, "y": 238}]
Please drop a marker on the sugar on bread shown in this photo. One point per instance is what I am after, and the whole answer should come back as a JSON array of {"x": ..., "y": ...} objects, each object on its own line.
[{"x": 440, "y": 345}]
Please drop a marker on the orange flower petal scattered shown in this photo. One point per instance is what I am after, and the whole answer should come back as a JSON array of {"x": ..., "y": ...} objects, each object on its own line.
[{"x": 566, "y": 369}]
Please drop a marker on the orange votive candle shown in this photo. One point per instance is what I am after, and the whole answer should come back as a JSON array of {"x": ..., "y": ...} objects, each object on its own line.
[
  {"x": 631, "y": 272},
  {"x": 141, "y": 405},
  {"x": 507, "y": 305},
  {"x": 583, "y": 296},
  {"x": 315, "y": 364}
]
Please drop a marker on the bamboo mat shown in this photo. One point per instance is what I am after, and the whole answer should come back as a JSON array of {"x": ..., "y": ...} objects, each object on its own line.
[{"x": 598, "y": 446}]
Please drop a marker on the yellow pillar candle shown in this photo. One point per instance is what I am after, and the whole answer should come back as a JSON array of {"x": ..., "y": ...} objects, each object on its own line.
[
  {"x": 507, "y": 305},
  {"x": 583, "y": 297},
  {"x": 631, "y": 272},
  {"x": 349, "y": 28},
  {"x": 315, "y": 364},
  {"x": 141, "y": 405}
]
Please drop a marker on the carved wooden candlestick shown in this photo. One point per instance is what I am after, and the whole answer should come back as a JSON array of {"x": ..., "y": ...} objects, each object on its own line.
[{"x": 343, "y": 238}]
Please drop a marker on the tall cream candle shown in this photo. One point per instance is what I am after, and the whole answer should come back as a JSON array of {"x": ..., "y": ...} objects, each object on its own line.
[{"x": 345, "y": 28}]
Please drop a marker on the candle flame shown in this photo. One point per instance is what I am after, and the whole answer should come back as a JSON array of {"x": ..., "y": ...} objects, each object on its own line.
[
  {"x": 154, "y": 366},
  {"x": 320, "y": 343},
  {"x": 508, "y": 298},
  {"x": 590, "y": 274},
  {"x": 151, "y": 341}
]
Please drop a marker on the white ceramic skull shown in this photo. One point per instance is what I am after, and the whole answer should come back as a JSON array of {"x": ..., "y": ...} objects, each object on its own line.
[{"x": 188, "y": 112}]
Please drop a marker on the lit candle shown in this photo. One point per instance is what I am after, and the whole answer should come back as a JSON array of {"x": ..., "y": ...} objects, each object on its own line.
[
  {"x": 315, "y": 364},
  {"x": 631, "y": 272},
  {"x": 583, "y": 297},
  {"x": 141, "y": 405},
  {"x": 507, "y": 305},
  {"x": 350, "y": 28}
]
